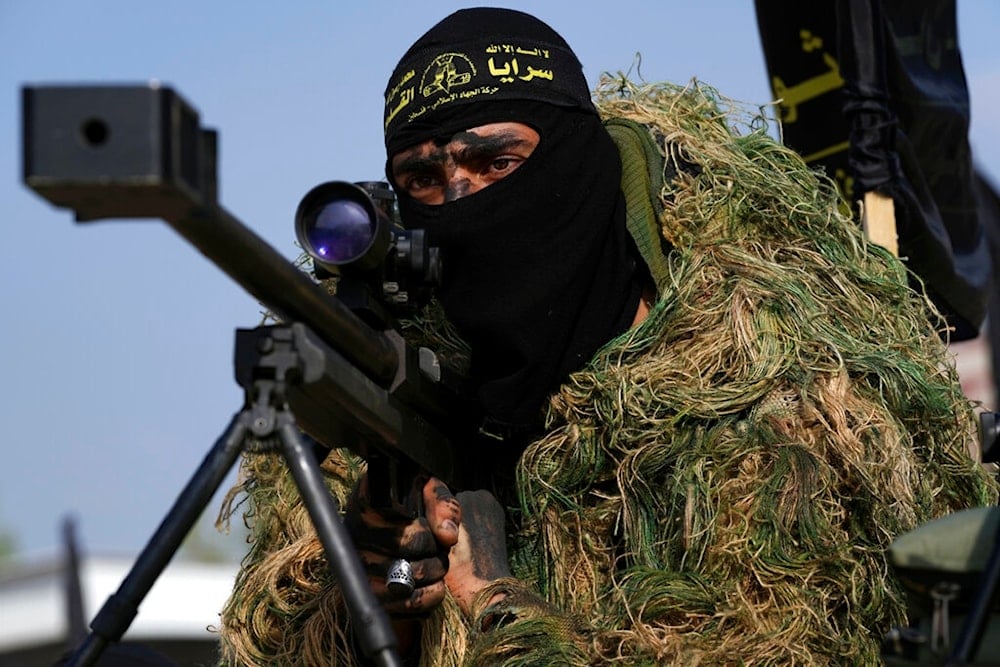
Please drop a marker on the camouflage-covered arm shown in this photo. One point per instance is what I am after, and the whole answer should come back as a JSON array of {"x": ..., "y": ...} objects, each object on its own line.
[{"x": 522, "y": 627}]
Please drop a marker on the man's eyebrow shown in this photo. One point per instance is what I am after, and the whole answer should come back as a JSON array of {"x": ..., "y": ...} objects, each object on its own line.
[
  {"x": 477, "y": 146},
  {"x": 418, "y": 163},
  {"x": 473, "y": 146}
]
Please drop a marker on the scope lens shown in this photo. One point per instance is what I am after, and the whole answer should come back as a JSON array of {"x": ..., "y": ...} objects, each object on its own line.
[{"x": 341, "y": 231}]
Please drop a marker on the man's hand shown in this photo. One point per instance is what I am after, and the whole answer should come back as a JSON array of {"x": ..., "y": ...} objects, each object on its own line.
[
  {"x": 458, "y": 544},
  {"x": 424, "y": 542},
  {"x": 480, "y": 554}
]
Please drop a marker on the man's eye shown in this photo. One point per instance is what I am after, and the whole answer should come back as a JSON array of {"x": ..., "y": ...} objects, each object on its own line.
[
  {"x": 418, "y": 183},
  {"x": 501, "y": 167}
]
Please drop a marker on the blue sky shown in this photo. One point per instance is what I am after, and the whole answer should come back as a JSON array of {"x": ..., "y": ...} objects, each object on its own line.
[{"x": 117, "y": 336}]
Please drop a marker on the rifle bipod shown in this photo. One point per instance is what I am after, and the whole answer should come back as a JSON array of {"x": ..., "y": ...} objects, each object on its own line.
[{"x": 269, "y": 423}]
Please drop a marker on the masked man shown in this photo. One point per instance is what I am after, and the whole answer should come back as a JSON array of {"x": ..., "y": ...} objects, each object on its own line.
[{"x": 709, "y": 404}]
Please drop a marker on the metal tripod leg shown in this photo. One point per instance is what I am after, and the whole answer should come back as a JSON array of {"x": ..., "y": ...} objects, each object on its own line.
[
  {"x": 372, "y": 627},
  {"x": 120, "y": 609}
]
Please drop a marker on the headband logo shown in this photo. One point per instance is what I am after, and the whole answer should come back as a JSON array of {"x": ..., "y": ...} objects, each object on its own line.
[
  {"x": 520, "y": 69},
  {"x": 447, "y": 71},
  {"x": 439, "y": 85}
]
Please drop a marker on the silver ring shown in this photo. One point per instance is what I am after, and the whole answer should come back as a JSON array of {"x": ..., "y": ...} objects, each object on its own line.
[{"x": 399, "y": 579}]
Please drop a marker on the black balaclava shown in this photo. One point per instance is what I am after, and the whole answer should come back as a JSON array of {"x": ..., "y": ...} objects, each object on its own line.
[{"x": 539, "y": 270}]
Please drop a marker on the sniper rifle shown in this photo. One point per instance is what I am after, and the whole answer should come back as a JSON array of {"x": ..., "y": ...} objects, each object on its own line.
[{"x": 339, "y": 372}]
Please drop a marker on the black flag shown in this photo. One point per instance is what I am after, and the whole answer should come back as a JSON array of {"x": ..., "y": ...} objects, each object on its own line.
[{"x": 874, "y": 91}]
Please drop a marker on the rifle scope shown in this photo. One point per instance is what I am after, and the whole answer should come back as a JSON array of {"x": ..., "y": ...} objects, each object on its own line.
[{"x": 349, "y": 227}]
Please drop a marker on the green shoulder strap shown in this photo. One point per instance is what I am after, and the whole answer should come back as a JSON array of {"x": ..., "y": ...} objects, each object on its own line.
[{"x": 642, "y": 184}]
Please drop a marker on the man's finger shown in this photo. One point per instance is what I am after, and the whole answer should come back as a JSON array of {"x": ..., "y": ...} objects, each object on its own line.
[
  {"x": 414, "y": 540},
  {"x": 444, "y": 513},
  {"x": 420, "y": 603},
  {"x": 425, "y": 571}
]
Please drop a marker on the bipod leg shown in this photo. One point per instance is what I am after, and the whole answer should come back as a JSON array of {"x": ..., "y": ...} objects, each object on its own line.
[
  {"x": 268, "y": 360},
  {"x": 120, "y": 609},
  {"x": 371, "y": 624}
]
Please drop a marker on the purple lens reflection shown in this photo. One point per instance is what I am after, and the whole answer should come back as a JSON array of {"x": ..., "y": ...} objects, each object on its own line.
[{"x": 342, "y": 231}]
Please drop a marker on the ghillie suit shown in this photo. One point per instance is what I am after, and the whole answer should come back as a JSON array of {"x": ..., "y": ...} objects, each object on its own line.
[{"x": 719, "y": 484}]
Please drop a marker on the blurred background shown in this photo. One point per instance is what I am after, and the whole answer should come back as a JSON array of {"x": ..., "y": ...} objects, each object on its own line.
[{"x": 117, "y": 337}]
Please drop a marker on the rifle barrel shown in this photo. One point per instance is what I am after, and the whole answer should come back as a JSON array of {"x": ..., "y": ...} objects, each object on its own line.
[{"x": 289, "y": 292}]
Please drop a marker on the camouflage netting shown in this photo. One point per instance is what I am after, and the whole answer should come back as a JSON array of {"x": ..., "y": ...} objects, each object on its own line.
[{"x": 720, "y": 484}]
